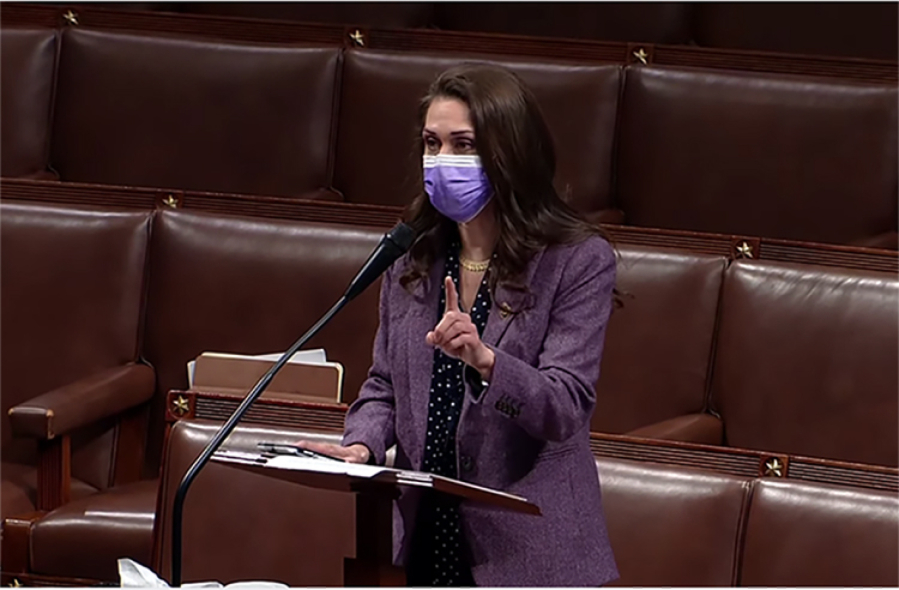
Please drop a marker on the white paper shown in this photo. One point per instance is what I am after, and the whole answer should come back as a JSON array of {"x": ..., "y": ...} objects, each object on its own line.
[
  {"x": 313, "y": 356},
  {"x": 295, "y": 463},
  {"x": 323, "y": 466},
  {"x": 135, "y": 575}
]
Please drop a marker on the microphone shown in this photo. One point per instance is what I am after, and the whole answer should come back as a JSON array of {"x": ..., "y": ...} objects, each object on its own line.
[{"x": 394, "y": 244}]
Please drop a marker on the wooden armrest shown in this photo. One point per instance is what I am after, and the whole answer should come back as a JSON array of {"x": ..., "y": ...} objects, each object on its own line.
[{"x": 84, "y": 402}]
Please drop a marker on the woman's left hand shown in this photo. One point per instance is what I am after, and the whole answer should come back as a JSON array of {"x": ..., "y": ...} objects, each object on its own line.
[{"x": 457, "y": 336}]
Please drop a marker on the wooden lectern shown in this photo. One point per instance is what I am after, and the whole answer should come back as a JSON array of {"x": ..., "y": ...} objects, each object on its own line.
[{"x": 375, "y": 489}]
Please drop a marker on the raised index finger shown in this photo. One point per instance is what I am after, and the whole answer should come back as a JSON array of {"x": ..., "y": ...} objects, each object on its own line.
[{"x": 452, "y": 299}]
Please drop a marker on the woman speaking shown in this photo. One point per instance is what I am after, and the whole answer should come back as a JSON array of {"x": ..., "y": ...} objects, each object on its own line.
[{"x": 488, "y": 350}]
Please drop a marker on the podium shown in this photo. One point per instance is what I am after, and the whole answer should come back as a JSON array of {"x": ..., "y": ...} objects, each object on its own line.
[{"x": 375, "y": 488}]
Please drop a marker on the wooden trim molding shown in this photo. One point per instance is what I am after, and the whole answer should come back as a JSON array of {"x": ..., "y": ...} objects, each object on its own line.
[
  {"x": 326, "y": 211},
  {"x": 732, "y": 461}
]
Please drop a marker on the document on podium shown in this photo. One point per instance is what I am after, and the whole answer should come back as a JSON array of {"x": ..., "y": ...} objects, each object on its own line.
[
  {"x": 295, "y": 463},
  {"x": 339, "y": 475}
]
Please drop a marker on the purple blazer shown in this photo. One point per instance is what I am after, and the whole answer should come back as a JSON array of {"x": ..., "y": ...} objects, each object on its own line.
[{"x": 528, "y": 431}]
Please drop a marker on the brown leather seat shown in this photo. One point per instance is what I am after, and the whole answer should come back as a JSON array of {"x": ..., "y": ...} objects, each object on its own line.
[
  {"x": 72, "y": 305},
  {"x": 805, "y": 361},
  {"x": 380, "y": 94},
  {"x": 182, "y": 113},
  {"x": 84, "y": 538},
  {"x": 757, "y": 154},
  {"x": 243, "y": 526},
  {"x": 672, "y": 526},
  {"x": 821, "y": 535},
  {"x": 243, "y": 285},
  {"x": 28, "y": 57},
  {"x": 253, "y": 285},
  {"x": 648, "y": 508},
  {"x": 659, "y": 343},
  {"x": 668, "y": 525},
  {"x": 73, "y": 394}
]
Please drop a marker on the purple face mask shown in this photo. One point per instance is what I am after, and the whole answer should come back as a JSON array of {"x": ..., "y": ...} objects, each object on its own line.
[{"x": 457, "y": 186}]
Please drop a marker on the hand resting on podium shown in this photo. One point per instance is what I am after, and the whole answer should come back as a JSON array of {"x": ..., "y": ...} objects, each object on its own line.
[{"x": 357, "y": 453}]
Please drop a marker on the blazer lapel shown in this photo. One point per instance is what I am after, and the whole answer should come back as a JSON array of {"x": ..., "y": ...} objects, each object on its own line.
[
  {"x": 507, "y": 305},
  {"x": 420, "y": 356}
]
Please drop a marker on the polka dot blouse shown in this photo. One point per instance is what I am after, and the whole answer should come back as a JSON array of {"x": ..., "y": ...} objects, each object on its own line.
[{"x": 439, "y": 552}]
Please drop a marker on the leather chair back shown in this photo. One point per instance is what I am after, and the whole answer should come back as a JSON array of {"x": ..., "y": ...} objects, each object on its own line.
[
  {"x": 73, "y": 291},
  {"x": 380, "y": 94},
  {"x": 252, "y": 286},
  {"x": 242, "y": 526},
  {"x": 182, "y": 113},
  {"x": 672, "y": 526},
  {"x": 806, "y": 361},
  {"x": 659, "y": 344},
  {"x": 804, "y": 534},
  {"x": 27, "y": 74},
  {"x": 757, "y": 154}
]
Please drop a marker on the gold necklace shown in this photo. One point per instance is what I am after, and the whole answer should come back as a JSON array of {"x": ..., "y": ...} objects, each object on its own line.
[{"x": 472, "y": 266}]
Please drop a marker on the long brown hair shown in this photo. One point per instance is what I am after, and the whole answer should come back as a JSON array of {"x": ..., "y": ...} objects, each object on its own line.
[{"x": 517, "y": 153}]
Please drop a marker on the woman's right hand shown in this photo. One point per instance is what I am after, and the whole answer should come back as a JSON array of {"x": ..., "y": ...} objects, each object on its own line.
[{"x": 357, "y": 453}]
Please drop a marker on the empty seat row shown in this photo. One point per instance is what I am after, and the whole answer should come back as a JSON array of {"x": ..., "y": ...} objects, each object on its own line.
[
  {"x": 668, "y": 525},
  {"x": 104, "y": 307},
  {"x": 793, "y": 358},
  {"x": 754, "y": 354},
  {"x": 751, "y": 154},
  {"x": 839, "y": 28}
]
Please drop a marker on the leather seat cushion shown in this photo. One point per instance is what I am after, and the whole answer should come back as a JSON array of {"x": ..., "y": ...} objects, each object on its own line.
[{"x": 84, "y": 538}]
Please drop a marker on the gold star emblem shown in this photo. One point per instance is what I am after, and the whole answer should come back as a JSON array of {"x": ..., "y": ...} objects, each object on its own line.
[
  {"x": 641, "y": 55},
  {"x": 774, "y": 467},
  {"x": 171, "y": 201},
  {"x": 745, "y": 250},
  {"x": 180, "y": 406},
  {"x": 15, "y": 583},
  {"x": 358, "y": 38},
  {"x": 71, "y": 17}
]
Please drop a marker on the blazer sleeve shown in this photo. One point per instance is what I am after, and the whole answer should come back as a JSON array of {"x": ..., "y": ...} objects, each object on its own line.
[
  {"x": 370, "y": 420},
  {"x": 556, "y": 398}
]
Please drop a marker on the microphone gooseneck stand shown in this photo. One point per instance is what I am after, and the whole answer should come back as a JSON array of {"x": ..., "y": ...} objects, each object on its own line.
[{"x": 393, "y": 245}]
